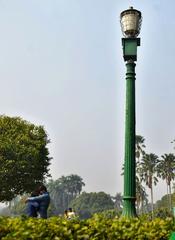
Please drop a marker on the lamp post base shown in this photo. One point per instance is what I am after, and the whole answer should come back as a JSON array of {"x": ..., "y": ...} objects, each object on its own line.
[{"x": 129, "y": 209}]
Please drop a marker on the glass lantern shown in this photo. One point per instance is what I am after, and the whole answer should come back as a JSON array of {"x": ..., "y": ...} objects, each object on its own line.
[{"x": 131, "y": 20}]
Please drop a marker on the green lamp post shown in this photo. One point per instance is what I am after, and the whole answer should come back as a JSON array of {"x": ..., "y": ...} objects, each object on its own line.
[{"x": 130, "y": 23}]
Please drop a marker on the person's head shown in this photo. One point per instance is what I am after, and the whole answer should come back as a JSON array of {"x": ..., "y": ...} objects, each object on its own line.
[
  {"x": 70, "y": 209},
  {"x": 42, "y": 189},
  {"x": 34, "y": 193}
]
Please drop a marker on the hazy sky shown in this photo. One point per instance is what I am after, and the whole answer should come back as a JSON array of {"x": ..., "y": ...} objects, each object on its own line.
[{"x": 61, "y": 66}]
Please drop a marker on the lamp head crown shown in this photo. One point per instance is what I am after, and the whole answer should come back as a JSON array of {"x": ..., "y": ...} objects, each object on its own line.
[{"x": 131, "y": 20}]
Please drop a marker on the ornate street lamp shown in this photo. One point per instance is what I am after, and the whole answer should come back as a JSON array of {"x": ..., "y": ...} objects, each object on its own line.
[{"x": 130, "y": 23}]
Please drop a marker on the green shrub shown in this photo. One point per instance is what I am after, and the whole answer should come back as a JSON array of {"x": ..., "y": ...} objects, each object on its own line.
[
  {"x": 96, "y": 228},
  {"x": 163, "y": 213}
]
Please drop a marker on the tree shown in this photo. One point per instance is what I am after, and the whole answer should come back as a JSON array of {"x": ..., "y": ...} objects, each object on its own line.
[
  {"x": 141, "y": 196},
  {"x": 148, "y": 170},
  {"x": 64, "y": 190},
  {"x": 24, "y": 156},
  {"x": 57, "y": 195},
  {"x": 140, "y": 191},
  {"x": 87, "y": 204},
  {"x": 139, "y": 147},
  {"x": 166, "y": 168},
  {"x": 118, "y": 201},
  {"x": 72, "y": 185},
  {"x": 163, "y": 202}
]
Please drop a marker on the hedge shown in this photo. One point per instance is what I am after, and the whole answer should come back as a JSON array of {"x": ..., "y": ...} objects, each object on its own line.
[{"x": 95, "y": 228}]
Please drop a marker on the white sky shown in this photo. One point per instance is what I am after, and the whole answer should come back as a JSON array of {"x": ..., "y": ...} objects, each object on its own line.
[{"x": 61, "y": 66}]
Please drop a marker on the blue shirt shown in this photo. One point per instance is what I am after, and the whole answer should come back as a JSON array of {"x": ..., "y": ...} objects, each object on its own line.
[{"x": 43, "y": 201}]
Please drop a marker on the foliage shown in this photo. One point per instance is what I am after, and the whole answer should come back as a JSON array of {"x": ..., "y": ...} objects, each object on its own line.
[
  {"x": 89, "y": 203},
  {"x": 24, "y": 157},
  {"x": 166, "y": 168},
  {"x": 141, "y": 196},
  {"x": 95, "y": 228},
  {"x": 111, "y": 213},
  {"x": 63, "y": 191},
  {"x": 163, "y": 202},
  {"x": 139, "y": 146},
  {"x": 173, "y": 199},
  {"x": 148, "y": 171},
  {"x": 162, "y": 213},
  {"x": 19, "y": 208},
  {"x": 118, "y": 201}
]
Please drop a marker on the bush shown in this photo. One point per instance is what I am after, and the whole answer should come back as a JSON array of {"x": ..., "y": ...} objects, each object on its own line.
[
  {"x": 96, "y": 228},
  {"x": 163, "y": 213},
  {"x": 111, "y": 213}
]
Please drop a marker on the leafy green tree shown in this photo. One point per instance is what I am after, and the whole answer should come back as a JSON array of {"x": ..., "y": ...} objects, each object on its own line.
[
  {"x": 24, "y": 156},
  {"x": 148, "y": 171},
  {"x": 163, "y": 202},
  {"x": 166, "y": 168},
  {"x": 87, "y": 204}
]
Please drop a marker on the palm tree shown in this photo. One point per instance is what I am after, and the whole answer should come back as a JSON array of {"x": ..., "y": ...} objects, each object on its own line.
[
  {"x": 64, "y": 190},
  {"x": 76, "y": 184},
  {"x": 118, "y": 201},
  {"x": 56, "y": 191},
  {"x": 141, "y": 195},
  {"x": 72, "y": 186},
  {"x": 166, "y": 168},
  {"x": 139, "y": 147},
  {"x": 148, "y": 170}
]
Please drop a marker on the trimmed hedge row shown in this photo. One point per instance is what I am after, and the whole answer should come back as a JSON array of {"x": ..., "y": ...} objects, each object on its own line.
[{"x": 95, "y": 228}]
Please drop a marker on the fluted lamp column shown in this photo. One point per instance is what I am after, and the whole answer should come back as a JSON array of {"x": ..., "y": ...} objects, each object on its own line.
[{"x": 130, "y": 20}]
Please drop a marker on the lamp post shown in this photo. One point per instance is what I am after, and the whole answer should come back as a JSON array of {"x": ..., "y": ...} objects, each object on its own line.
[{"x": 130, "y": 20}]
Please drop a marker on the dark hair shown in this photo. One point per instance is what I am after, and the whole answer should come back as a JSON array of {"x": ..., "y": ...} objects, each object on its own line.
[
  {"x": 42, "y": 188},
  {"x": 35, "y": 193}
]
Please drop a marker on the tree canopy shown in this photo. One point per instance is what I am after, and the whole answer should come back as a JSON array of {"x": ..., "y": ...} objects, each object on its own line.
[
  {"x": 87, "y": 204},
  {"x": 24, "y": 156},
  {"x": 64, "y": 190}
]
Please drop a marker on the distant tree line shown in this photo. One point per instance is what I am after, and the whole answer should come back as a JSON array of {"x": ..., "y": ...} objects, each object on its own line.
[{"x": 67, "y": 192}]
